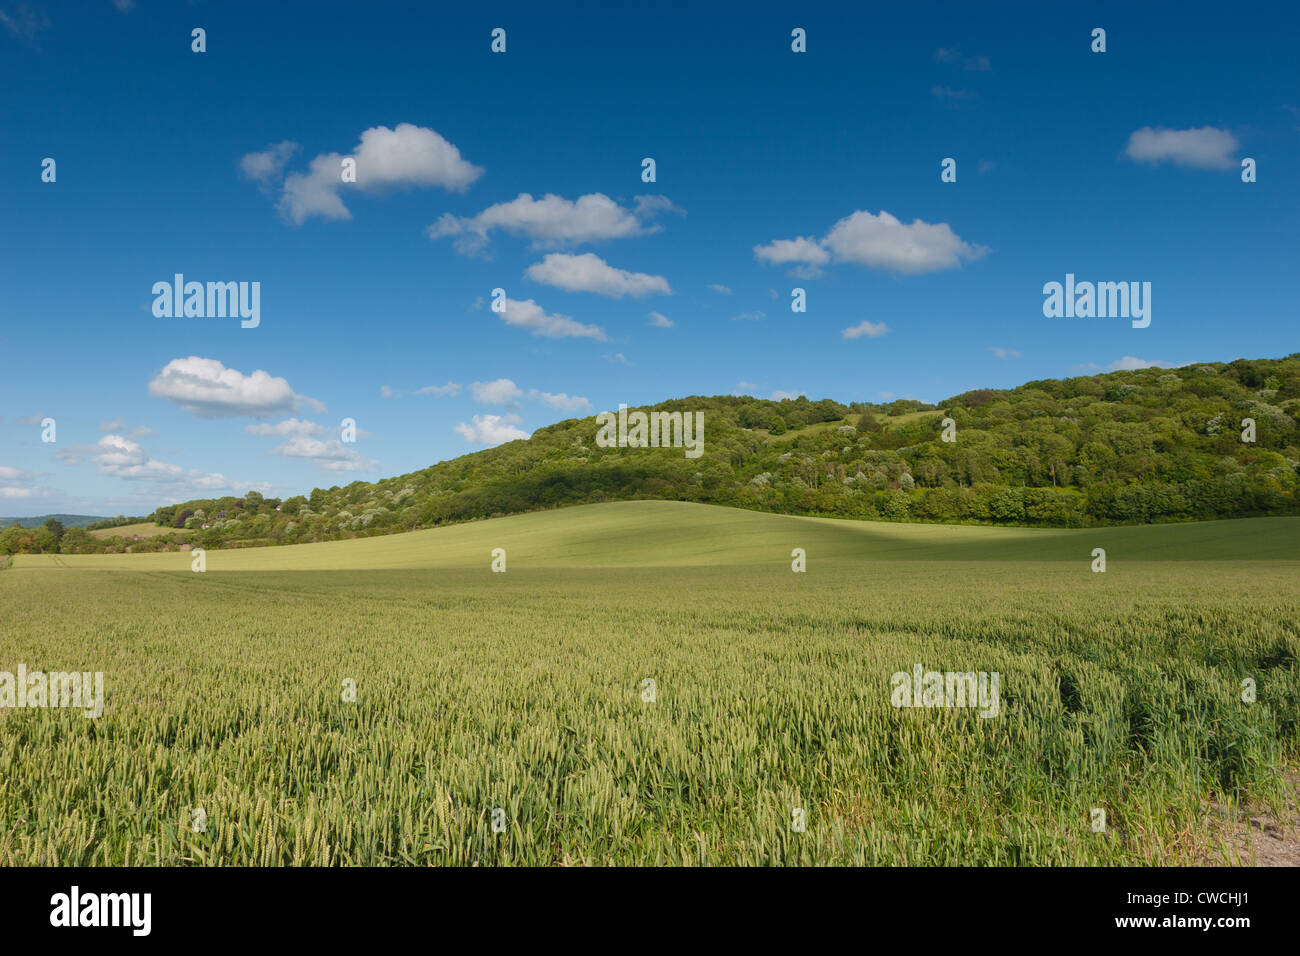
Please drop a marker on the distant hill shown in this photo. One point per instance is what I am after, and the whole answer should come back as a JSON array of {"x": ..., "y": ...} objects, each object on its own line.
[
  {"x": 678, "y": 534},
  {"x": 1201, "y": 442},
  {"x": 68, "y": 521}
]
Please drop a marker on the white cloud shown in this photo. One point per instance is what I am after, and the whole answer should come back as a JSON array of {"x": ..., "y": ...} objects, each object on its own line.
[
  {"x": 590, "y": 273},
  {"x": 505, "y": 392},
  {"x": 865, "y": 329},
  {"x": 878, "y": 242},
  {"x": 619, "y": 358},
  {"x": 268, "y": 166},
  {"x": 529, "y": 315},
  {"x": 500, "y": 392},
  {"x": 491, "y": 429},
  {"x": 807, "y": 253},
  {"x": 779, "y": 396},
  {"x": 206, "y": 388},
  {"x": 119, "y": 425},
  {"x": 315, "y": 193},
  {"x": 720, "y": 289},
  {"x": 290, "y": 426},
  {"x": 120, "y": 457},
  {"x": 882, "y": 242},
  {"x": 7, "y": 491},
  {"x": 661, "y": 321},
  {"x": 552, "y": 221},
  {"x": 1004, "y": 353},
  {"x": 755, "y": 316},
  {"x": 332, "y": 454},
  {"x": 1204, "y": 148},
  {"x": 407, "y": 156},
  {"x": 21, "y": 483},
  {"x": 568, "y": 403}
]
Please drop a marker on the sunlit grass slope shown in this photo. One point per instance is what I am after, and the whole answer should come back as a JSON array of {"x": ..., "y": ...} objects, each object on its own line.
[{"x": 669, "y": 533}]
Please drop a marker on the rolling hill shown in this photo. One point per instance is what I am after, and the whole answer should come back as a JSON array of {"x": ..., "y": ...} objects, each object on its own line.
[{"x": 683, "y": 534}]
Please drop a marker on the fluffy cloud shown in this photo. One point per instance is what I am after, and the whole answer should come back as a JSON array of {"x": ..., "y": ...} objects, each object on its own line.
[
  {"x": 661, "y": 321},
  {"x": 567, "y": 403},
  {"x": 783, "y": 251},
  {"x": 505, "y": 392},
  {"x": 553, "y": 221},
  {"x": 590, "y": 273},
  {"x": 877, "y": 242},
  {"x": 206, "y": 388},
  {"x": 864, "y": 329},
  {"x": 408, "y": 156},
  {"x": 290, "y": 426},
  {"x": 500, "y": 392},
  {"x": 720, "y": 289},
  {"x": 755, "y": 316},
  {"x": 1004, "y": 353},
  {"x": 332, "y": 454},
  {"x": 119, "y": 425},
  {"x": 529, "y": 315},
  {"x": 15, "y": 492},
  {"x": 882, "y": 242},
  {"x": 1204, "y": 148},
  {"x": 268, "y": 166},
  {"x": 20, "y": 484},
  {"x": 121, "y": 457},
  {"x": 10, "y": 473},
  {"x": 491, "y": 429}
]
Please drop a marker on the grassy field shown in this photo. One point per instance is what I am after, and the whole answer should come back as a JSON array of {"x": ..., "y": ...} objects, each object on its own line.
[
  {"x": 525, "y": 691},
  {"x": 143, "y": 529}
]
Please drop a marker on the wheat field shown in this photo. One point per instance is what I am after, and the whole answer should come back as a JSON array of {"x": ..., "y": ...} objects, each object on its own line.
[{"x": 507, "y": 718}]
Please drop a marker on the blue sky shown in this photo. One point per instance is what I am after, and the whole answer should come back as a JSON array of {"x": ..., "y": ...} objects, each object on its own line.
[{"x": 774, "y": 170}]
